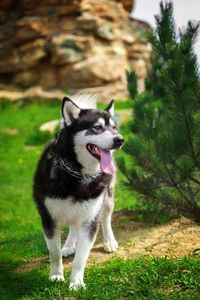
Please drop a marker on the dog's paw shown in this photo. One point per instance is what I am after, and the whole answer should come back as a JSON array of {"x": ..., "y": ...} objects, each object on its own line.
[
  {"x": 74, "y": 286},
  {"x": 57, "y": 278},
  {"x": 66, "y": 251},
  {"x": 111, "y": 245}
]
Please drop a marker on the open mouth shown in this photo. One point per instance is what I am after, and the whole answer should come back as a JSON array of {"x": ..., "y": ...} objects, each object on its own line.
[
  {"x": 94, "y": 151},
  {"x": 103, "y": 156}
]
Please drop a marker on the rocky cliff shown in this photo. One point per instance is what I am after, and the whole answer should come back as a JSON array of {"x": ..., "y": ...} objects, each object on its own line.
[{"x": 74, "y": 44}]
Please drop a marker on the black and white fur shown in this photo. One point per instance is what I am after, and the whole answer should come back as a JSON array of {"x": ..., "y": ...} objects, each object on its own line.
[{"x": 70, "y": 189}]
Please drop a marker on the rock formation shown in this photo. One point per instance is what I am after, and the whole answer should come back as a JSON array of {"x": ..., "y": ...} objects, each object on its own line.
[{"x": 71, "y": 44}]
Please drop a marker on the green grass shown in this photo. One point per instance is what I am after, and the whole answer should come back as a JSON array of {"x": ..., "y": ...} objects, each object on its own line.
[
  {"x": 21, "y": 239},
  {"x": 145, "y": 278}
]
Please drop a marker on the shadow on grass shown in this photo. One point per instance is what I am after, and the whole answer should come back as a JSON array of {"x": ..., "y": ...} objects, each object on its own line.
[
  {"x": 29, "y": 285},
  {"x": 145, "y": 278}
]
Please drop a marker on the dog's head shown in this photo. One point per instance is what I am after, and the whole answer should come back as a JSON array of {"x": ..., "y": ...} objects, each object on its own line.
[{"x": 94, "y": 136}]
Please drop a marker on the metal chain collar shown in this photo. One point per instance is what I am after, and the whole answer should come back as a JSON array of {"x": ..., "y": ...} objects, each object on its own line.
[{"x": 63, "y": 165}]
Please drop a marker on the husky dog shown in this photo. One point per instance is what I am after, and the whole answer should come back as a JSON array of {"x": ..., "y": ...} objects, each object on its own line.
[{"x": 73, "y": 186}]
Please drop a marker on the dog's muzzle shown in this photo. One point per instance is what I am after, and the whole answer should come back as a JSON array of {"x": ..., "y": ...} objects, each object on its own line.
[{"x": 118, "y": 141}]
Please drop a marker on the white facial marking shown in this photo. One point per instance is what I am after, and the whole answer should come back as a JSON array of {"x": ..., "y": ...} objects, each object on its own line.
[
  {"x": 89, "y": 163},
  {"x": 101, "y": 121},
  {"x": 111, "y": 122},
  {"x": 103, "y": 140}
]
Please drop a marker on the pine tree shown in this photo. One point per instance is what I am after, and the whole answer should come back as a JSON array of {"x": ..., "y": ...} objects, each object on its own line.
[
  {"x": 131, "y": 83},
  {"x": 164, "y": 146}
]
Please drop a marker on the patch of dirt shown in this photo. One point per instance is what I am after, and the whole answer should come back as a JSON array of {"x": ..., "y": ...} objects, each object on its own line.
[
  {"x": 11, "y": 131},
  {"x": 177, "y": 238}
]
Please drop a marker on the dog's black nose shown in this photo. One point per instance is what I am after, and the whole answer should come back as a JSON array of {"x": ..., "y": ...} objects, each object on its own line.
[{"x": 118, "y": 141}]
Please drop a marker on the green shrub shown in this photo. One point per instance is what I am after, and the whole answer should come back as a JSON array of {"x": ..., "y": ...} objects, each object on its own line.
[{"x": 164, "y": 146}]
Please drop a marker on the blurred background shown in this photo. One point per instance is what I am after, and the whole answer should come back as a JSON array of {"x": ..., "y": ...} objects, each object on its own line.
[
  {"x": 183, "y": 12},
  {"x": 73, "y": 45},
  {"x": 79, "y": 45}
]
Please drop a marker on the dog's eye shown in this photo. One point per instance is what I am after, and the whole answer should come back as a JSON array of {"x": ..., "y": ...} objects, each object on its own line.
[{"x": 98, "y": 127}]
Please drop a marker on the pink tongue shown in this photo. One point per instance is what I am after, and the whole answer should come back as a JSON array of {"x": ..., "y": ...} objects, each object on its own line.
[{"x": 106, "y": 162}]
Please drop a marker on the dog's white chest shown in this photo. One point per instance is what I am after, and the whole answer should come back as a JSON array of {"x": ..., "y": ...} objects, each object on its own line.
[{"x": 70, "y": 213}]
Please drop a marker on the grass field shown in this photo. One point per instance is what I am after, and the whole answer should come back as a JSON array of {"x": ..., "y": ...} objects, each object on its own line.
[{"x": 21, "y": 239}]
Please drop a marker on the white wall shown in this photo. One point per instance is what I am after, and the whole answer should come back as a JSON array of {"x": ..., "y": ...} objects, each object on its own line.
[{"x": 184, "y": 10}]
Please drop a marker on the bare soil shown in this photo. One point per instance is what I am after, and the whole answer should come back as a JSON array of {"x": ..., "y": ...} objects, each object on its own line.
[{"x": 175, "y": 239}]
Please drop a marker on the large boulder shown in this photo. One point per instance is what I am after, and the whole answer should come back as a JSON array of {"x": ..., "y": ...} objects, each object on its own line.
[{"x": 75, "y": 44}]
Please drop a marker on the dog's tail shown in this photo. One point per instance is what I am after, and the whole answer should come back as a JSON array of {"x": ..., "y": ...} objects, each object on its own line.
[{"x": 85, "y": 101}]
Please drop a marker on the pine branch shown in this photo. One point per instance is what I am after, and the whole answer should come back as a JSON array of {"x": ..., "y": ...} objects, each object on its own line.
[
  {"x": 176, "y": 185},
  {"x": 187, "y": 126},
  {"x": 187, "y": 176}
]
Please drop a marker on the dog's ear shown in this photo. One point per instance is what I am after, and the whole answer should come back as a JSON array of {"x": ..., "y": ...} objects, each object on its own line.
[
  {"x": 70, "y": 111},
  {"x": 110, "y": 108}
]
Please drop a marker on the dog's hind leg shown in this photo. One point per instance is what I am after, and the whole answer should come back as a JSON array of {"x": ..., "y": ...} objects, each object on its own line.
[
  {"x": 54, "y": 247},
  {"x": 70, "y": 244},
  {"x": 85, "y": 240},
  {"x": 109, "y": 241}
]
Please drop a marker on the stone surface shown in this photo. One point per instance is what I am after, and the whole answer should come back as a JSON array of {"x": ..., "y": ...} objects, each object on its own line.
[
  {"x": 13, "y": 94},
  {"x": 79, "y": 44},
  {"x": 127, "y": 4}
]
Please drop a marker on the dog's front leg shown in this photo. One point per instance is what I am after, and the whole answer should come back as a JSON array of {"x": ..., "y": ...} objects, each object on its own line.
[
  {"x": 54, "y": 247},
  {"x": 109, "y": 241},
  {"x": 86, "y": 236},
  {"x": 70, "y": 244}
]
